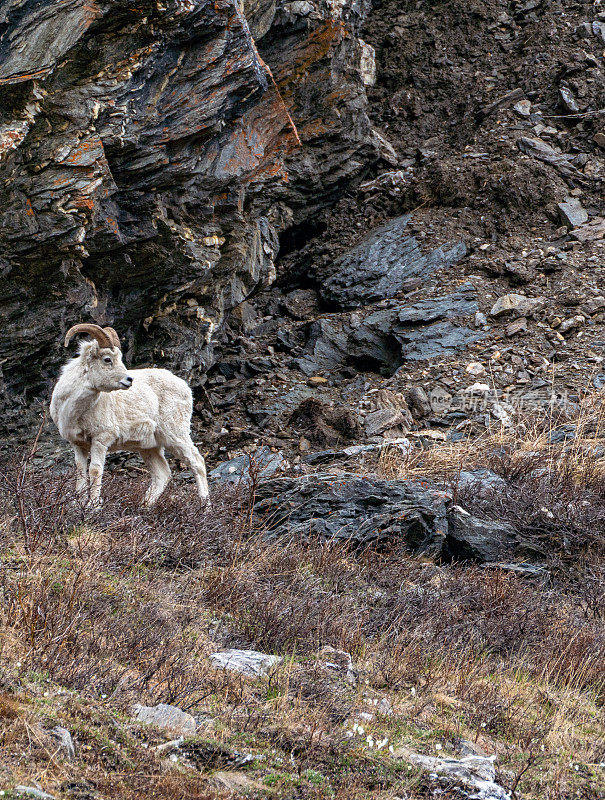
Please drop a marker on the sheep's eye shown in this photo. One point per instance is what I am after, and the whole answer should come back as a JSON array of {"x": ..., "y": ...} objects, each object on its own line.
[{"x": 107, "y": 360}]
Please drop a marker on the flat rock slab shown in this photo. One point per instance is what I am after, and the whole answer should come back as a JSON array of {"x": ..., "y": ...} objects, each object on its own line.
[
  {"x": 403, "y": 444},
  {"x": 165, "y": 716},
  {"x": 537, "y": 148},
  {"x": 384, "y": 419},
  {"x": 462, "y": 303},
  {"x": 248, "y": 662},
  {"x": 436, "y": 341},
  {"x": 591, "y": 231},
  {"x": 429, "y": 329},
  {"x": 383, "y": 265}
]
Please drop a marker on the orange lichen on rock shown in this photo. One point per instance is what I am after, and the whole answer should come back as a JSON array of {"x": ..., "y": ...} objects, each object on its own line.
[{"x": 86, "y": 152}]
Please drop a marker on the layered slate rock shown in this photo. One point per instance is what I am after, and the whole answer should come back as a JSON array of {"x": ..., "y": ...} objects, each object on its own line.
[
  {"x": 387, "y": 262},
  {"x": 359, "y": 510},
  {"x": 472, "y": 539},
  {"x": 442, "y": 335},
  {"x": 149, "y": 160}
]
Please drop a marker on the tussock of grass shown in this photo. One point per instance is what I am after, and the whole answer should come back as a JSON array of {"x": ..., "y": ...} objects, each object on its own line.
[{"x": 101, "y": 610}]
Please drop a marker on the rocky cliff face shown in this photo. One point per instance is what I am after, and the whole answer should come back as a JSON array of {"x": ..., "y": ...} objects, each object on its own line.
[
  {"x": 151, "y": 154},
  {"x": 161, "y": 162}
]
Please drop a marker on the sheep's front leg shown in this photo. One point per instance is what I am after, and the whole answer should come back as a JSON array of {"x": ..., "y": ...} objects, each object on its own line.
[
  {"x": 81, "y": 459},
  {"x": 98, "y": 451}
]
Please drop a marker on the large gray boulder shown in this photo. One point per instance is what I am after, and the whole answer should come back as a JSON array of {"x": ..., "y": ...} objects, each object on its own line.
[{"x": 348, "y": 507}]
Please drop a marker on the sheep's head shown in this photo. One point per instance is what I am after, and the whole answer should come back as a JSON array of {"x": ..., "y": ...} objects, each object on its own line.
[{"x": 101, "y": 358}]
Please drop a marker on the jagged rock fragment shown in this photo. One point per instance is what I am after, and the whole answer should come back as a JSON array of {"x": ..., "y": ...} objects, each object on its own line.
[
  {"x": 378, "y": 422},
  {"x": 572, "y": 213},
  {"x": 383, "y": 265},
  {"x": 516, "y": 304},
  {"x": 263, "y": 463}
]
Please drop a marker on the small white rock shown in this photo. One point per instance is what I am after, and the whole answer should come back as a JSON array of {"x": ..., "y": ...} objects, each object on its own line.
[
  {"x": 248, "y": 662},
  {"x": 165, "y": 716},
  {"x": 523, "y": 108},
  {"x": 476, "y": 369}
]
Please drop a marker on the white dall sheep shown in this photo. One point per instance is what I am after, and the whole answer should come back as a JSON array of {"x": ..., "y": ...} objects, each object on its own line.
[{"x": 99, "y": 406}]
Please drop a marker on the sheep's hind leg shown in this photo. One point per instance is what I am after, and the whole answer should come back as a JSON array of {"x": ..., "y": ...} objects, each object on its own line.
[
  {"x": 81, "y": 459},
  {"x": 187, "y": 451},
  {"x": 160, "y": 473}
]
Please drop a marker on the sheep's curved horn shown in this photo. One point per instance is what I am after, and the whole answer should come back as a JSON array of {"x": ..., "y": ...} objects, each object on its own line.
[
  {"x": 115, "y": 339},
  {"x": 92, "y": 330}
]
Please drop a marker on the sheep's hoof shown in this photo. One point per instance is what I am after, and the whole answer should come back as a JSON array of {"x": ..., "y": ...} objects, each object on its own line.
[{"x": 93, "y": 505}]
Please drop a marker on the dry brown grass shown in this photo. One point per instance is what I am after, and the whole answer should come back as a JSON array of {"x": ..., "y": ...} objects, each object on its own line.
[
  {"x": 528, "y": 440},
  {"x": 124, "y": 605}
]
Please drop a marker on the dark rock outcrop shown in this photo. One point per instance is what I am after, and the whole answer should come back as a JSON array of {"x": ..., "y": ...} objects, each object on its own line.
[
  {"x": 150, "y": 156},
  {"x": 377, "y": 512},
  {"x": 383, "y": 338},
  {"x": 360, "y": 510},
  {"x": 472, "y": 539}
]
